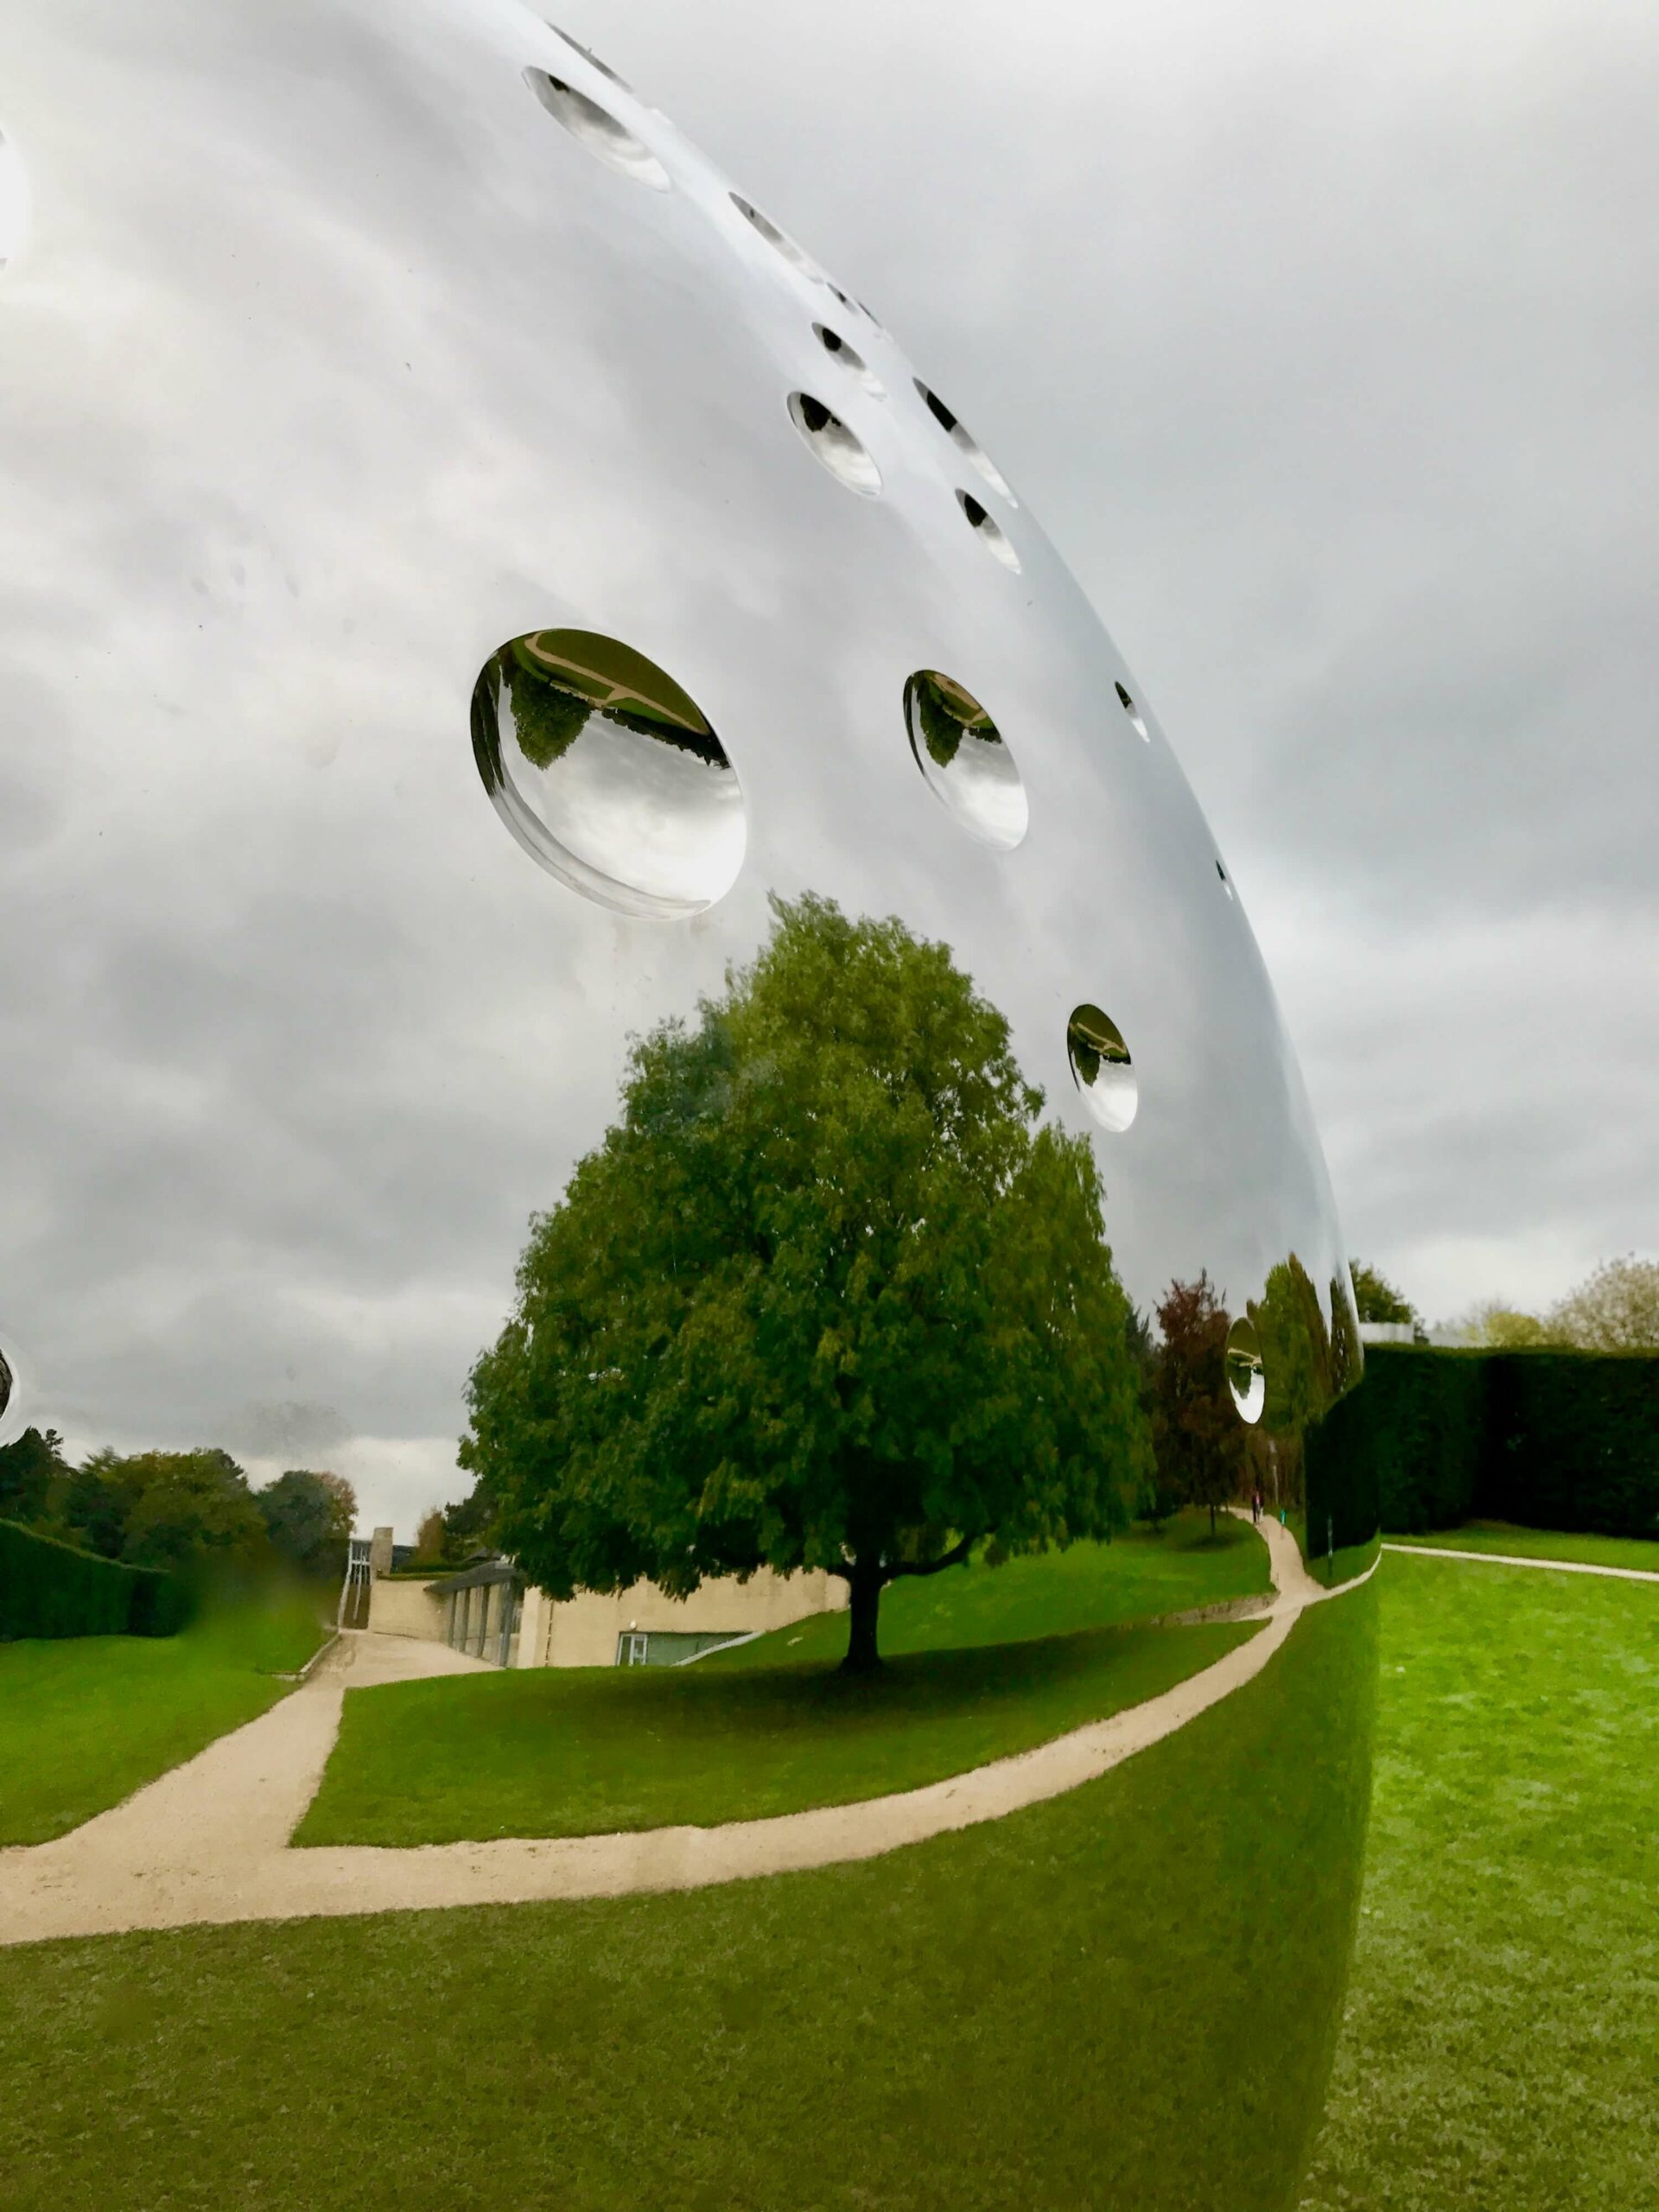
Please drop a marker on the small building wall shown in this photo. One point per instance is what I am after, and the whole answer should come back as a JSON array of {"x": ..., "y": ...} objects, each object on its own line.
[
  {"x": 583, "y": 1632},
  {"x": 405, "y": 1609}
]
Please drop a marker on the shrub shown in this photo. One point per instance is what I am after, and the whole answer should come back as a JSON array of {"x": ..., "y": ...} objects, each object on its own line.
[
  {"x": 1547, "y": 1439},
  {"x": 1572, "y": 1442},
  {"x": 49, "y": 1588}
]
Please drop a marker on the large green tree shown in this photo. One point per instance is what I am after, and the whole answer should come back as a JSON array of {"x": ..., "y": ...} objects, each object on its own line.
[
  {"x": 166, "y": 1508},
  {"x": 308, "y": 1517},
  {"x": 827, "y": 1295},
  {"x": 1377, "y": 1298}
]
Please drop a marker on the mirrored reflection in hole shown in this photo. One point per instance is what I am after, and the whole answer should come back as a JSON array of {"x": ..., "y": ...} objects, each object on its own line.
[
  {"x": 600, "y": 133},
  {"x": 988, "y": 532},
  {"x": 964, "y": 758},
  {"x": 1132, "y": 711},
  {"x": 1100, "y": 1065},
  {"x": 607, "y": 773},
  {"x": 849, "y": 357},
  {"x": 1245, "y": 1378},
  {"x": 797, "y": 256},
  {"x": 964, "y": 441},
  {"x": 14, "y": 200},
  {"x": 833, "y": 444},
  {"x": 13, "y": 1412}
]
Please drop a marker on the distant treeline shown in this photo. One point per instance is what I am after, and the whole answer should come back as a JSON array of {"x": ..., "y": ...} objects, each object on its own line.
[{"x": 175, "y": 1510}]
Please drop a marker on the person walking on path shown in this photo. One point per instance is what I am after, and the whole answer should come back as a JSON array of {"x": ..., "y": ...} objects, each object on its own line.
[{"x": 1256, "y": 1503}]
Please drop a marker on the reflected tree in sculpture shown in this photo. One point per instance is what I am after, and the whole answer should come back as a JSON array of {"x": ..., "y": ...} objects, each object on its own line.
[{"x": 829, "y": 1295}]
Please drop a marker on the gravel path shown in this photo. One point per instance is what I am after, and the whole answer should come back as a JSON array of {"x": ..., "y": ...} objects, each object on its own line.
[
  {"x": 208, "y": 1842},
  {"x": 1512, "y": 1559}
]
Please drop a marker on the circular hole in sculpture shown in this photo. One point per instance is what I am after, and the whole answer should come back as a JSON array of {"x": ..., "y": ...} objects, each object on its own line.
[
  {"x": 965, "y": 442},
  {"x": 988, "y": 532},
  {"x": 965, "y": 758},
  {"x": 780, "y": 241},
  {"x": 1246, "y": 1378},
  {"x": 1132, "y": 711},
  {"x": 14, "y": 200},
  {"x": 1100, "y": 1066},
  {"x": 12, "y": 1408},
  {"x": 607, "y": 773},
  {"x": 849, "y": 357},
  {"x": 833, "y": 444},
  {"x": 600, "y": 133}
]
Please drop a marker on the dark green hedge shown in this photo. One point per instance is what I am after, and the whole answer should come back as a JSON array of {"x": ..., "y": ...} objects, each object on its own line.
[
  {"x": 1572, "y": 1442},
  {"x": 47, "y": 1588},
  {"x": 1549, "y": 1439},
  {"x": 1340, "y": 1467}
]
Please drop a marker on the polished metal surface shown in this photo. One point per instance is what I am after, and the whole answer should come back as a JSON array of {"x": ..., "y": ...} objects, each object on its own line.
[{"x": 348, "y": 347}]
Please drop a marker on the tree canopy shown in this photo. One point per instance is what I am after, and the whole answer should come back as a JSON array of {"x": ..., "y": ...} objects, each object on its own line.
[
  {"x": 1375, "y": 1296},
  {"x": 1200, "y": 1441},
  {"x": 1616, "y": 1308},
  {"x": 308, "y": 1517},
  {"x": 827, "y": 1295}
]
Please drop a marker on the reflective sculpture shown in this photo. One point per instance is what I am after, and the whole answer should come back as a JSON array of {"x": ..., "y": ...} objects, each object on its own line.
[{"x": 459, "y": 557}]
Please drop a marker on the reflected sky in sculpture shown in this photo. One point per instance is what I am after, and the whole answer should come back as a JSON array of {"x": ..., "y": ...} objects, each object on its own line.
[
  {"x": 14, "y": 200},
  {"x": 311, "y": 407}
]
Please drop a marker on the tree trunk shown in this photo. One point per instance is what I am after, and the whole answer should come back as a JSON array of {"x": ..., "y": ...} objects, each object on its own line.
[{"x": 864, "y": 1586}]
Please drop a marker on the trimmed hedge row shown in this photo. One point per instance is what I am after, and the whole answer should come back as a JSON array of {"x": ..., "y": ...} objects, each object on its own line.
[
  {"x": 1546, "y": 1439},
  {"x": 49, "y": 1588},
  {"x": 1340, "y": 1473}
]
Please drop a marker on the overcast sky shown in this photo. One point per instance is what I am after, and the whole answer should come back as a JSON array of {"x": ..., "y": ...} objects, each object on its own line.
[
  {"x": 1325, "y": 341},
  {"x": 1321, "y": 341}
]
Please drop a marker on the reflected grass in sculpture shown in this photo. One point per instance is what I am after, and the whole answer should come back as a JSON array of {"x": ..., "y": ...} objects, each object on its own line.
[
  {"x": 585, "y": 1751},
  {"x": 1128, "y": 1995}
]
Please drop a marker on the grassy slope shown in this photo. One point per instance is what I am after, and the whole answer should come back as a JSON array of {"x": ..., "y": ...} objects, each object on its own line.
[
  {"x": 1544, "y": 1543},
  {"x": 583, "y": 1750},
  {"x": 1125, "y": 1997},
  {"x": 1088, "y": 1585},
  {"x": 86, "y": 1720},
  {"x": 981, "y": 1664},
  {"x": 1504, "y": 2039}
]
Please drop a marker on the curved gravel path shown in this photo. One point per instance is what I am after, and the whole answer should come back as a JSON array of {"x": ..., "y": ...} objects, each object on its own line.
[
  {"x": 208, "y": 1842},
  {"x": 1515, "y": 1559}
]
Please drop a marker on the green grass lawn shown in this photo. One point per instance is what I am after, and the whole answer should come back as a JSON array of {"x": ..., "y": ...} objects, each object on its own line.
[
  {"x": 1502, "y": 2049},
  {"x": 981, "y": 1662},
  {"x": 581, "y": 1751},
  {"x": 86, "y": 1720},
  {"x": 1345, "y": 1564},
  {"x": 1135, "y": 1577},
  {"x": 1544, "y": 1543},
  {"x": 1126, "y": 1997}
]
